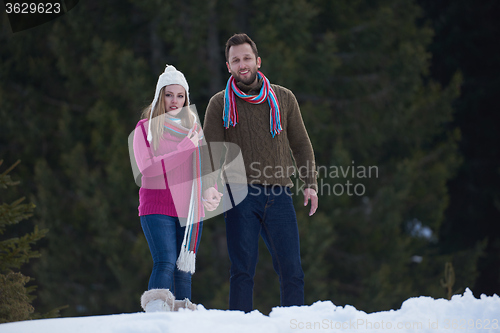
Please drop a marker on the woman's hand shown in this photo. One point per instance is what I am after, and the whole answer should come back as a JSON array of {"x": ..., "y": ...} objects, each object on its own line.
[{"x": 195, "y": 138}]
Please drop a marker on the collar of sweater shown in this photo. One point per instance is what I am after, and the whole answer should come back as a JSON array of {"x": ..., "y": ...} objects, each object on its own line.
[{"x": 249, "y": 90}]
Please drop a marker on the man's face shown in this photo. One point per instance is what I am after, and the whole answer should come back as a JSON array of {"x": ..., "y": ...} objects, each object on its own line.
[{"x": 242, "y": 63}]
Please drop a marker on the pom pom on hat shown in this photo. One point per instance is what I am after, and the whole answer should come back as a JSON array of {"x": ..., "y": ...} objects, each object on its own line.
[{"x": 170, "y": 76}]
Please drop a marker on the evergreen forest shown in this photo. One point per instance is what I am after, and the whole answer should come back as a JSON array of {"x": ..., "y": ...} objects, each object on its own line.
[{"x": 398, "y": 98}]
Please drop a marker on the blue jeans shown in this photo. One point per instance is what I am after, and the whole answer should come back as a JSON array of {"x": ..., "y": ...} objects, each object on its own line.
[
  {"x": 267, "y": 211},
  {"x": 164, "y": 235}
]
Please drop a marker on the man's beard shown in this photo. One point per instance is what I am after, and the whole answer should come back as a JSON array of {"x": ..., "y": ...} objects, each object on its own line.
[{"x": 248, "y": 81}]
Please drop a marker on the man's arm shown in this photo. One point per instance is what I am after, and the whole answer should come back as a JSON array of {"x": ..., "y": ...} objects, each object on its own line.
[
  {"x": 211, "y": 154},
  {"x": 302, "y": 152},
  {"x": 300, "y": 145}
]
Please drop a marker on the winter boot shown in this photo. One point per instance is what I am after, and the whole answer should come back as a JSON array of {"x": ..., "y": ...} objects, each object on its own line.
[
  {"x": 157, "y": 300},
  {"x": 185, "y": 303}
]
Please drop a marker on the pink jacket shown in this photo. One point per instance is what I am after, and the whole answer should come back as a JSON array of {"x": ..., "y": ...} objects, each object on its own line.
[{"x": 167, "y": 173}]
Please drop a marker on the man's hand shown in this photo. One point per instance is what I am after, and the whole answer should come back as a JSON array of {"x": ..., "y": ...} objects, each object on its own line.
[
  {"x": 211, "y": 198},
  {"x": 309, "y": 193}
]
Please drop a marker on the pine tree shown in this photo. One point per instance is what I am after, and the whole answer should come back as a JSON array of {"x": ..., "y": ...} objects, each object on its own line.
[
  {"x": 464, "y": 34},
  {"x": 15, "y": 296}
]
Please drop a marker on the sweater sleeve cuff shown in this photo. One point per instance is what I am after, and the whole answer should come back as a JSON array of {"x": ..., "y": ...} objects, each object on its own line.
[
  {"x": 311, "y": 182},
  {"x": 186, "y": 144},
  {"x": 208, "y": 182}
]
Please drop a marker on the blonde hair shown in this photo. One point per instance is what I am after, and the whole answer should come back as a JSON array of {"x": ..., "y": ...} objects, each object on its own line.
[{"x": 187, "y": 117}]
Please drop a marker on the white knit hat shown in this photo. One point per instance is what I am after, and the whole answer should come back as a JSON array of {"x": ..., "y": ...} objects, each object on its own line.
[{"x": 168, "y": 77}]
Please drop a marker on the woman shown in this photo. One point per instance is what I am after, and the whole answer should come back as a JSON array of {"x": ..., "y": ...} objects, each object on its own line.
[{"x": 166, "y": 149}]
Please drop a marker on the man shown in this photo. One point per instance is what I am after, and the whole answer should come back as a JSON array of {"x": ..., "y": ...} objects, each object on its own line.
[{"x": 264, "y": 120}]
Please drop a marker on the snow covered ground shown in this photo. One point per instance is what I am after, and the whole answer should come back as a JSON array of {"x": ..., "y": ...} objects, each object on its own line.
[{"x": 463, "y": 313}]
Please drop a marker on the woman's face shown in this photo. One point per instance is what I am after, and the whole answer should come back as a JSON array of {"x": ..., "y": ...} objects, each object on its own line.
[{"x": 175, "y": 97}]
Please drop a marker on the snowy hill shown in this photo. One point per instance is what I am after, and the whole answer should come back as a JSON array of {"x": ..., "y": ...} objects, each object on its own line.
[{"x": 463, "y": 313}]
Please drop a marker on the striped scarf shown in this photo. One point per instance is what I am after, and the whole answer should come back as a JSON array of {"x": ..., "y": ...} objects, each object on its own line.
[
  {"x": 230, "y": 115},
  {"x": 187, "y": 257}
]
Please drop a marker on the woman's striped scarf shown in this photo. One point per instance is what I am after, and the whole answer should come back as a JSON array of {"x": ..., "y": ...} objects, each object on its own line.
[
  {"x": 230, "y": 115},
  {"x": 187, "y": 257}
]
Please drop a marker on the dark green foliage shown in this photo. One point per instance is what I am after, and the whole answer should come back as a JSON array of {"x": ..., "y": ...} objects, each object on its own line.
[
  {"x": 465, "y": 39},
  {"x": 14, "y": 299},
  {"x": 15, "y": 296},
  {"x": 72, "y": 90}
]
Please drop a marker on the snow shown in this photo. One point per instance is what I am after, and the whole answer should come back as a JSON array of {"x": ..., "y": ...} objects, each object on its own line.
[{"x": 463, "y": 313}]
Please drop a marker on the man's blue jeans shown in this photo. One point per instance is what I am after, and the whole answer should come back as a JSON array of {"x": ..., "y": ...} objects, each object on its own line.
[
  {"x": 164, "y": 235},
  {"x": 267, "y": 211}
]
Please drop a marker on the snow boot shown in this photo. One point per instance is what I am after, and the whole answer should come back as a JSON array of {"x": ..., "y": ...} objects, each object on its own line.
[
  {"x": 185, "y": 303},
  {"x": 157, "y": 300}
]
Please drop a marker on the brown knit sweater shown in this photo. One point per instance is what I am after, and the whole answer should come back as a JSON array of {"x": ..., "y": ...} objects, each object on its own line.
[{"x": 267, "y": 160}]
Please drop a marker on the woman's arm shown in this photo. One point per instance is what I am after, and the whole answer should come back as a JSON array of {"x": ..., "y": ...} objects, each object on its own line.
[{"x": 150, "y": 165}]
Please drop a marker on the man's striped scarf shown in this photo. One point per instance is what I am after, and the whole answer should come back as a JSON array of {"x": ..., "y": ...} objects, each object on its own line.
[
  {"x": 230, "y": 115},
  {"x": 187, "y": 257}
]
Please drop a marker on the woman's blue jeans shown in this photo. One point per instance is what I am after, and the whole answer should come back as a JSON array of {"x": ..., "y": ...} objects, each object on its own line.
[
  {"x": 267, "y": 211},
  {"x": 164, "y": 235}
]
